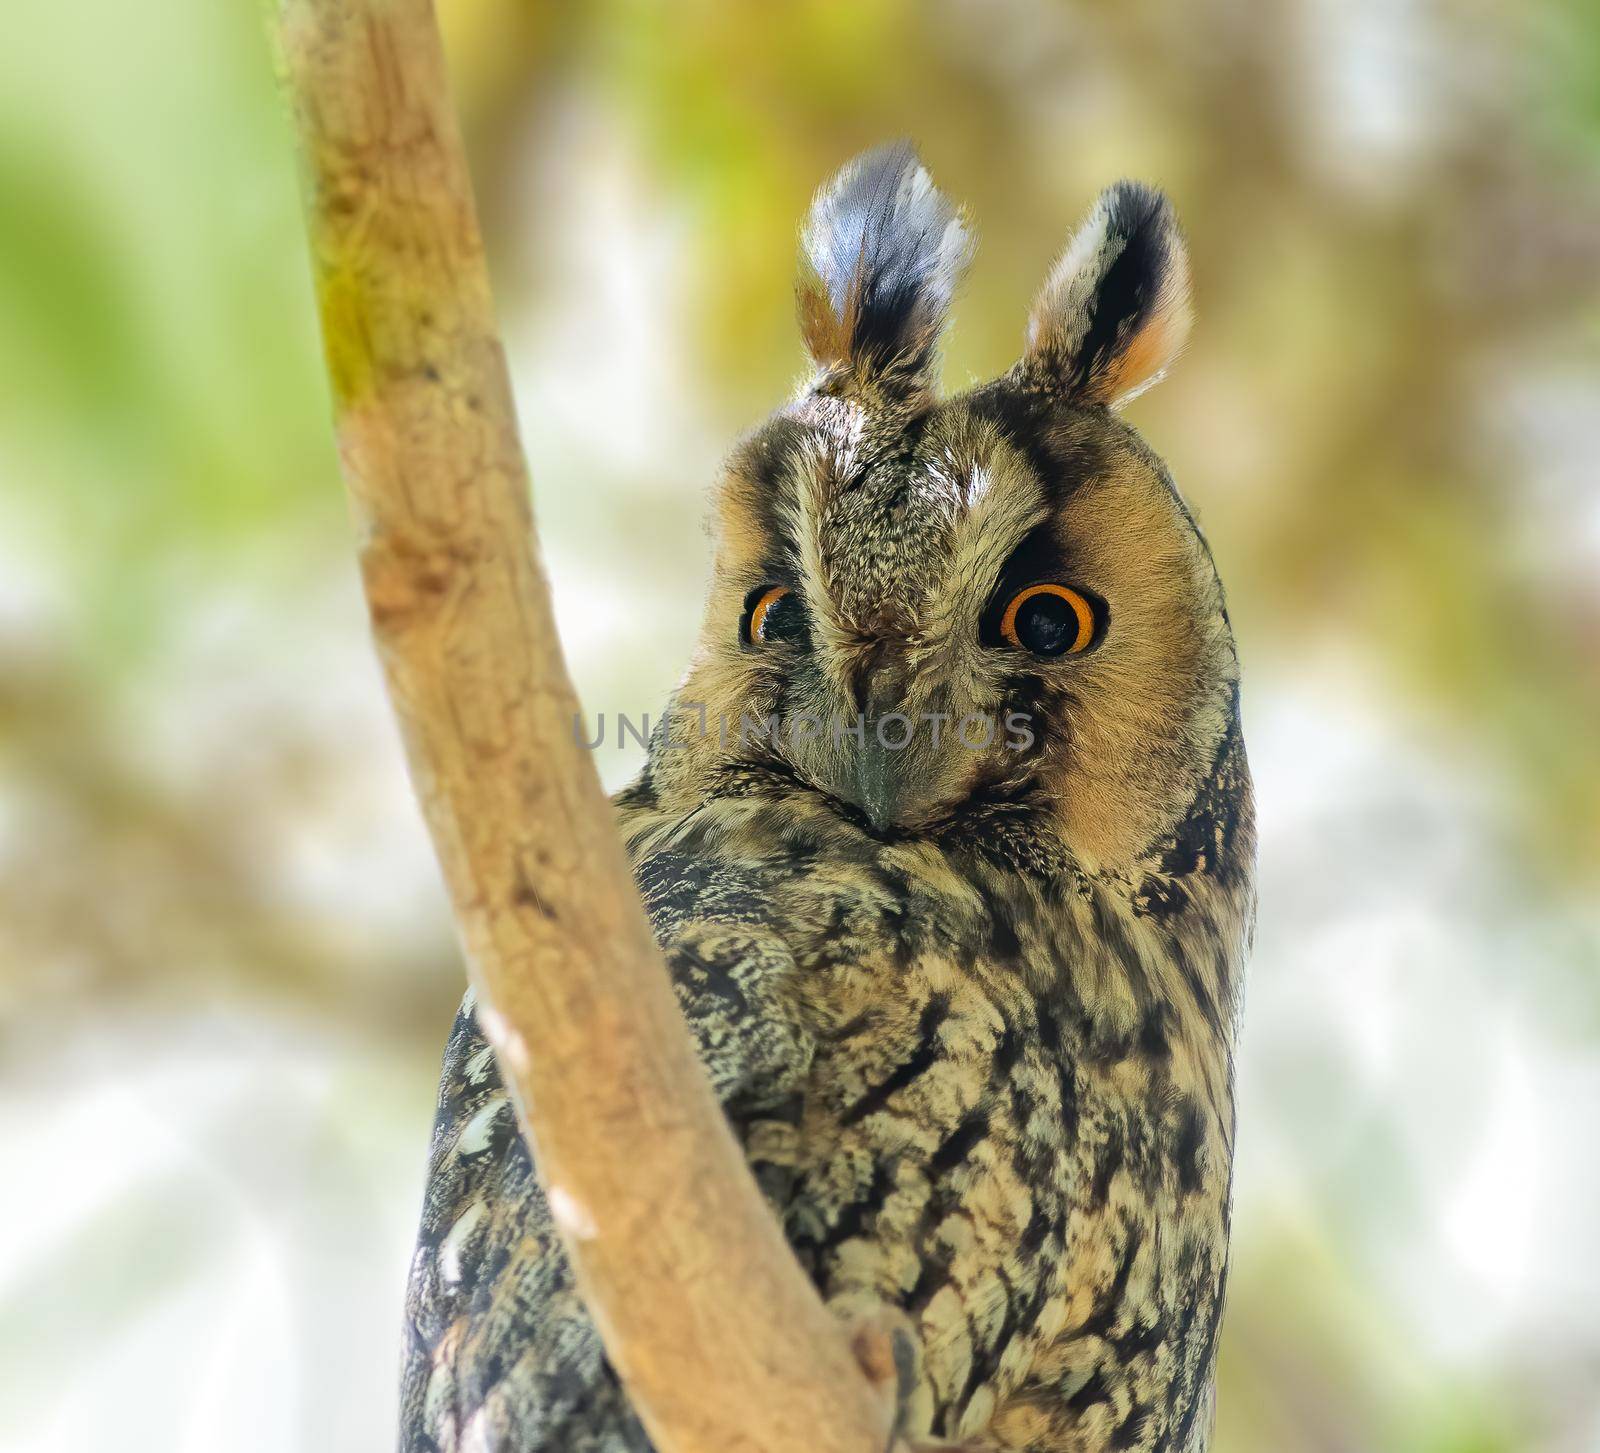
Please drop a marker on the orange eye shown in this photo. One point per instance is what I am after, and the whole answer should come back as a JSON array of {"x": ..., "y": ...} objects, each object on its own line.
[
  {"x": 1049, "y": 620},
  {"x": 774, "y": 613}
]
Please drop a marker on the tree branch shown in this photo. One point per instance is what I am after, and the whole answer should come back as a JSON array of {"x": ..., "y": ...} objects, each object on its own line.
[{"x": 720, "y": 1338}]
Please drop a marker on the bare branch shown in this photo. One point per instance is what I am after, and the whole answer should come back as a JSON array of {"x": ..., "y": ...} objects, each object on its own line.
[{"x": 720, "y": 1338}]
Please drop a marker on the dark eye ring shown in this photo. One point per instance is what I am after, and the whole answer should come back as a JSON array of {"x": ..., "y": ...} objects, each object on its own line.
[
  {"x": 773, "y": 613},
  {"x": 1050, "y": 620}
]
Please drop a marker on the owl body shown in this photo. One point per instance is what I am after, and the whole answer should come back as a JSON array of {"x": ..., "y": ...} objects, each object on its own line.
[{"x": 947, "y": 838}]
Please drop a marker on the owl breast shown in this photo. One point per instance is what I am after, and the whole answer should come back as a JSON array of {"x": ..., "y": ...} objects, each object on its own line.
[{"x": 1014, "y": 1128}]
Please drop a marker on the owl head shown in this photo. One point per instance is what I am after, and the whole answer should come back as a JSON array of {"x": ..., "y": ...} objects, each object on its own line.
[{"x": 929, "y": 610}]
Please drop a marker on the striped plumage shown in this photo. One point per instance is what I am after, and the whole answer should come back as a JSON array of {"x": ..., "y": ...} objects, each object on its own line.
[{"x": 971, "y": 1008}]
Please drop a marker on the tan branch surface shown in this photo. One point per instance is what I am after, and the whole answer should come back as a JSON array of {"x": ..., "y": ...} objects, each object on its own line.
[{"x": 720, "y": 1338}]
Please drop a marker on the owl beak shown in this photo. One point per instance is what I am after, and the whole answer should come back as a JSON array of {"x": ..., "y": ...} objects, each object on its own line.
[
  {"x": 879, "y": 784},
  {"x": 886, "y": 773}
]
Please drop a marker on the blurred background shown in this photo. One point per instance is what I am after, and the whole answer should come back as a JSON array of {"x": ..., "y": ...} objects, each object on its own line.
[{"x": 226, "y": 966}]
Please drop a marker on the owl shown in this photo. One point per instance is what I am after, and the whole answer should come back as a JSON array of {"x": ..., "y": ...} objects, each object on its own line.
[{"x": 947, "y": 839}]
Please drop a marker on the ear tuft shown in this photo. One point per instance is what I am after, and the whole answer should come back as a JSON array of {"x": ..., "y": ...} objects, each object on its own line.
[
  {"x": 885, "y": 251},
  {"x": 1114, "y": 312}
]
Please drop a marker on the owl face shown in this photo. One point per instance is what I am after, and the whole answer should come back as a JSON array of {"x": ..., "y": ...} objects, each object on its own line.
[{"x": 923, "y": 607}]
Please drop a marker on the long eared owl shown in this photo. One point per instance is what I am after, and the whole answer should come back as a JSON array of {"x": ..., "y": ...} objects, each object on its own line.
[{"x": 948, "y": 840}]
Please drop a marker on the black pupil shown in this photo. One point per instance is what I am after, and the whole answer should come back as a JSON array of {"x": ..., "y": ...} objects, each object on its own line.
[
  {"x": 785, "y": 619},
  {"x": 1046, "y": 624}
]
